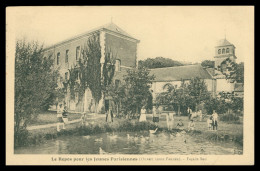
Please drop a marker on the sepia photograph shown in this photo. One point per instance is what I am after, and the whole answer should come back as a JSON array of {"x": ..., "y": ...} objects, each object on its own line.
[{"x": 130, "y": 85}]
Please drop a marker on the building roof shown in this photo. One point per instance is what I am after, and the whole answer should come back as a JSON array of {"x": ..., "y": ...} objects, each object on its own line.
[
  {"x": 239, "y": 87},
  {"x": 110, "y": 27},
  {"x": 180, "y": 73},
  {"x": 224, "y": 42}
]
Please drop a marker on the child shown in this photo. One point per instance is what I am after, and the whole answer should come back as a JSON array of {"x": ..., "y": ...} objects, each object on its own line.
[
  {"x": 209, "y": 122},
  {"x": 191, "y": 125}
]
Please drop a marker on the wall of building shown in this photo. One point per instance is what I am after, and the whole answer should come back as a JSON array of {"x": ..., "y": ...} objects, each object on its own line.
[
  {"x": 224, "y": 85},
  {"x": 123, "y": 49}
]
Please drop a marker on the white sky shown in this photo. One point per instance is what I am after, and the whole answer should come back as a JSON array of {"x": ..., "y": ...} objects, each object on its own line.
[{"x": 181, "y": 33}]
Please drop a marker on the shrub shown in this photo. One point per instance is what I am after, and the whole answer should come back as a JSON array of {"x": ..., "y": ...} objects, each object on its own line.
[{"x": 229, "y": 117}]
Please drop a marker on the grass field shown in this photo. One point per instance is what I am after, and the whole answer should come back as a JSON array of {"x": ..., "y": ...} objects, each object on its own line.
[{"x": 51, "y": 117}]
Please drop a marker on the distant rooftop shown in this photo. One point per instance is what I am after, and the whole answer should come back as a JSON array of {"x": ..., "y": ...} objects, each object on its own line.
[
  {"x": 180, "y": 73},
  {"x": 223, "y": 42},
  {"x": 110, "y": 27}
]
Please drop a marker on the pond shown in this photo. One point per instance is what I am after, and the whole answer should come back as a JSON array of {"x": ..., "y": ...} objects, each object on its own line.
[{"x": 131, "y": 143}]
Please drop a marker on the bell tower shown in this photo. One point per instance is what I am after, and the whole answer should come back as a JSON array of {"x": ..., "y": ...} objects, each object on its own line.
[{"x": 224, "y": 50}]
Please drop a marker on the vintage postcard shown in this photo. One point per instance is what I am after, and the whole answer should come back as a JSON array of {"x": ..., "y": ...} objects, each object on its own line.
[{"x": 130, "y": 85}]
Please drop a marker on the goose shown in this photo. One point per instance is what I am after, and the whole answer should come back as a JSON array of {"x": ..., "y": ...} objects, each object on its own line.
[
  {"x": 101, "y": 151},
  {"x": 129, "y": 137},
  {"x": 99, "y": 140},
  {"x": 112, "y": 136},
  {"x": 178, "y": 134},
  {"x": 87, "y": 137},
  {"x": 142, "y": 138},
  {"x": 171, "y": 136},
  {"x": 153, "y": 131},
  {"x": 183, "y": 132}
]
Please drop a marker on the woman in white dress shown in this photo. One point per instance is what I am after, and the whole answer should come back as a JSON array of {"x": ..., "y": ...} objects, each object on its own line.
[{"x": 143, "y": 115}]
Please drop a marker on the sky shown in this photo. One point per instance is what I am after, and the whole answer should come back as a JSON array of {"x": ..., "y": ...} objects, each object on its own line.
[{"x": 183, "y": 33}]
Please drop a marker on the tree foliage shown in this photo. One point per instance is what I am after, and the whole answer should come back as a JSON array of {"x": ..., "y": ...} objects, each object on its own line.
[
  {"x": 35, "y": 83},
  {"x": 158, "y": 62},
  {"x": 138, "y": 83},
  {"x": 189, "y": 94},
  {"x": 208, "y": 64}
]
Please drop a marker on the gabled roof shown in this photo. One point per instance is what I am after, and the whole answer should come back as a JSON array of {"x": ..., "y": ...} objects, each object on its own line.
[
  {"x": 239, "y": 87},
  {"x": 110, "y": 27},
  {"x": 224, "y": 42},
  {"x": 186, "y": 72}
]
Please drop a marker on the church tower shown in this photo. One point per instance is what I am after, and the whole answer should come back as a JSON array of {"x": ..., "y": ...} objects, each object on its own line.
[{"x": 223, "y": 51}]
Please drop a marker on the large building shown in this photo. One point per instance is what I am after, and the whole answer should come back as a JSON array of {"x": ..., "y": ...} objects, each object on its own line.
[
  {"x": 215, "y": 78},
  {"x": 112, "y": 39}
]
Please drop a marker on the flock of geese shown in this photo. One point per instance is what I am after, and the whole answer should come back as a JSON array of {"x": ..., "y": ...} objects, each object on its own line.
[{"x": 142, "y": 138}]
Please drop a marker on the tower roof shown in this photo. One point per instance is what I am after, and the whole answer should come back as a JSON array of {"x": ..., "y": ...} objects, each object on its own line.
[{"x": 224, "y": 42}]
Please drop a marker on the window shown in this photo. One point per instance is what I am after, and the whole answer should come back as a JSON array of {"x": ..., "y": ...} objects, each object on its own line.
[
  {"x": 219, "y": 51},
  {"x": 117, "y": 83},
  {"x": 67, "y": 56},
  {"x": 58, "y": 58},
  {"x": 66, "y": 76},
  {"x": 223, "y": 50},
  {"x": 77, "y": 52},
  {"x": 118, "y": 63},
  {"x": 227, "y": 51}
]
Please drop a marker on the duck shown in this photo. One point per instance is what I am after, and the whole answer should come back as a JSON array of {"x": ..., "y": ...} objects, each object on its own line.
[
  {"x": 98, "y": 139},
  {"x": 153, "y": 131}
]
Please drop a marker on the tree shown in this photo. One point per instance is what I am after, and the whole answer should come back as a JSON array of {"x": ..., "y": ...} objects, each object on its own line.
[
  {"x": 137, "y": 89},
  {"x": 208, "y": 64},
  {"x": 190, "y": 94},
  {"x": 197, "y": 90},
  {"x": 158, "y": 62},
  {"x": 35, "y": 84}
]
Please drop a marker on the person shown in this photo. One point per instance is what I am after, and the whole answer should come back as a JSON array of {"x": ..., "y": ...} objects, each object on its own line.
[
  {"x": 170, "y": 120},
  {"x": 64, "y": 115},
  {"x": 83, "y": 118},
  {"x": 200, "y": 115},
  {"x": 143, "y": 115},
  {"x": 209, "y": 123},
  {"x": 110, "y": 113},
  {"x": 180, "y": 124},
  {"x": 215, "y": 120},
  {"x": 191, "y": 125},
  {"x": 189, "y": 112},
  {"x": 59, "y": 117},
  {"x": 156, "y": 115}
]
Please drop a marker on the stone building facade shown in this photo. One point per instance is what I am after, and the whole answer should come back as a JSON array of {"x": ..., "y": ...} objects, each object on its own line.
[{"x": 67, "y": 53}]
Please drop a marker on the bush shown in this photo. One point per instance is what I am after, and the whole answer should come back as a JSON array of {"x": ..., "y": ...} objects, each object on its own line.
[{"x": 229, "y": 117}]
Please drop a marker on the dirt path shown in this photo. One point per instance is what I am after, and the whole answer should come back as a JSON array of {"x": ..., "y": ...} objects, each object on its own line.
[{"x": 89, "y": 117}]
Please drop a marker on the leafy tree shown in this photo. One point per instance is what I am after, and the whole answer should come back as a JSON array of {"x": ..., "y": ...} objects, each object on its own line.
[
  {"x": 208, "y": 64},
  {"x": 187, "y": 95},
  {"x": 35, "y": 84},
  {"x": 137, "y": 89},
  {"x": 197, "y": 90},
  {"x": 158, "y": 62}
]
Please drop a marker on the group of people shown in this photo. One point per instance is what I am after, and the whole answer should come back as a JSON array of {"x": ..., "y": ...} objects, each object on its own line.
[
  {"x": 212, "y": 121},
  {"x": 62, "y": 116}
]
